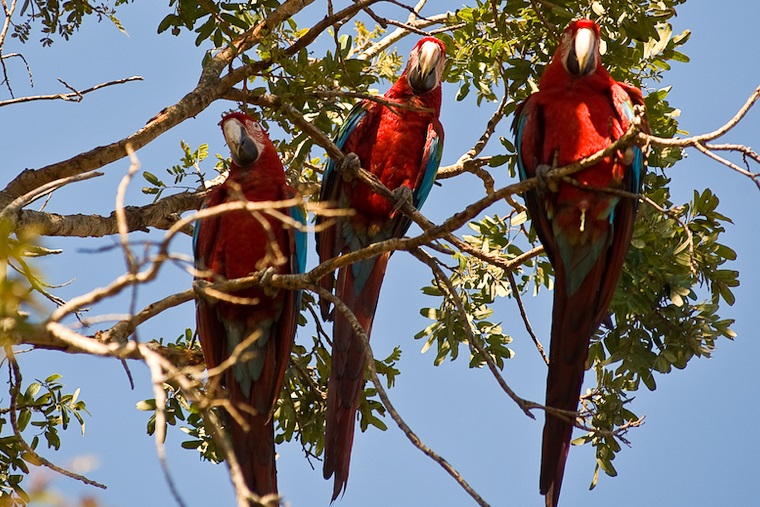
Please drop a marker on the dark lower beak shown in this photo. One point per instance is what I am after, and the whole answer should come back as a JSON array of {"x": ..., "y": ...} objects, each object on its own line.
[
  {"x": 421, "y": 81},
  {"x": 244, "y": 151}
]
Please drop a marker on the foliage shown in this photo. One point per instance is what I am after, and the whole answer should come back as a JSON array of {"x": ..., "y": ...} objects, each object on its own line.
[
  {"x": 40, "y": 411},
  {"x": 191, "y": 160},
  {"x": 61, "y": 18}
]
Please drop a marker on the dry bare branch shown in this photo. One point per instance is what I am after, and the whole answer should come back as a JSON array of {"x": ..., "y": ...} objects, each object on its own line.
[{"x": 74, "y": 96}]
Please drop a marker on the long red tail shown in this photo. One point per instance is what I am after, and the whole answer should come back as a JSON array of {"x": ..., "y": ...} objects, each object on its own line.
[
  {"x": 574, "y": 321},
  {"x": 254, "y": 449},
  {"x": 347, "y": 371}
]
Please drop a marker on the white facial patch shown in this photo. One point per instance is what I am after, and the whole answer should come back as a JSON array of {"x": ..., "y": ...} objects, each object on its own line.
[{"x": 233, "y": 131}]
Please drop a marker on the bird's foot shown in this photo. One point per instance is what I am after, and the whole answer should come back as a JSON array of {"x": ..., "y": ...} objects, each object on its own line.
[
  {"x": 266, "y": 276},
  {"x": 545, "y": 184},
  {"x": 266, "y": 280},
  {"x": 349, "y": 166},
  {"x": 402, "y": 195}
]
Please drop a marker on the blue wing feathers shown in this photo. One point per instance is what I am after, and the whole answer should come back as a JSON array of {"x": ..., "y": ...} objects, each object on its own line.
[
  {"x": 298, "y": 214},
  {"x": 355, "y": 116},
  {"x": 431, "y": 161},
  {"x": 521, "y": 122}
]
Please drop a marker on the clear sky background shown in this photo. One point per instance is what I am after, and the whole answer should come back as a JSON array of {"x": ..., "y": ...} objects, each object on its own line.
[{"x": 699, "y": 445}]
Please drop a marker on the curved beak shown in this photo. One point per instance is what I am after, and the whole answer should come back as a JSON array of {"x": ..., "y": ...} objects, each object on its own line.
[
  {"x": 242, "y": 147},
  {"x": 581, "y": 60},
  {"x": 423, "y": 77}
]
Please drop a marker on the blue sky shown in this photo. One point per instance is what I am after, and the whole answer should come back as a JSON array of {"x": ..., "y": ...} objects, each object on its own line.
[{"x": 698, "y": 446}]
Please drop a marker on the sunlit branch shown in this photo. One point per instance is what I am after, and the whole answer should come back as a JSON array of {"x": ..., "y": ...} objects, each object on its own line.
[
  {"x": 700, "y": 141},
  {"x": 122, "y": 329},
  {"x": 209, "y": 88},
  {"x": 753, "y": 176},
  {"x": 10, "y": 211},
  {"x": 162, "y": 214},
  {"x": 400, "y": 33},
  {"x": 690, "y": 141},
  {"x": 161, "y": 371},
  {"x": 8, "y": 11},
  {"x": 148, "y": 274},
  {"x": 159, "y": 395},
  {"x": 744, "y": 150},
  {"x": 121, "y": 216}
]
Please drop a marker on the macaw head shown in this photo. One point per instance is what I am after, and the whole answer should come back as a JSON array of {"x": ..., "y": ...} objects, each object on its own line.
[
  {"x": 424, "y": 70},
  {"x": 245, "y": 138},
  {"x": 579, "y": 48}
]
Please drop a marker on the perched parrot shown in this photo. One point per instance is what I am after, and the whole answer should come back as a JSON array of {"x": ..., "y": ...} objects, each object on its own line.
[
  {"x": 402, "y": 146},
  {"x": 579, "y": 110},
  {"x": 233, "y": 245}
]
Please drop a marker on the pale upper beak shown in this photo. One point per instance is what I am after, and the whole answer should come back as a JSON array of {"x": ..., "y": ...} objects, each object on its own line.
[
  {"x": 424, "y": 77},
  {"x": 581, "y": 59}
]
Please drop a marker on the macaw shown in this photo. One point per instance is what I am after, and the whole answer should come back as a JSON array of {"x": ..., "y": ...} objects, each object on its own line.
[
  {"x": 402, "y": 146},
  {"x": 579, "y": 110},
  {"x": 233, "y": 245}
]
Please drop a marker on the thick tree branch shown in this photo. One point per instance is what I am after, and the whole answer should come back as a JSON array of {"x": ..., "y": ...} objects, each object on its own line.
[{"x": 162, "y": 214}]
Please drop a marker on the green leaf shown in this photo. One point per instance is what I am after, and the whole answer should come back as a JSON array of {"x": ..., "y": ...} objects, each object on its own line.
[
  {"x": 152, "y": 179},
  {"x": 24, "y": 416},
  {"x": 146, "y": 405},
  {"x": 32, "y": 390},
  {"x": 498, "y": 160}
]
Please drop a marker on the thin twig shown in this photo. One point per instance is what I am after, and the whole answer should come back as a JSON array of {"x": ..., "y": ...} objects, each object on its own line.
[
  {"x": 691, "y": 141},
  {"x": 74, "y": 96},
  {"x": 753, "y": 176},
  {"x": 157, "y": 377},
  {"x": 370, "y": 365},
  {"x": 524, "y": 315},
  {"x": 472, "y": 339}
]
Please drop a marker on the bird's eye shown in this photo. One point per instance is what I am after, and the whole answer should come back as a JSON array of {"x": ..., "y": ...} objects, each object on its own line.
[{"x": 255, "y": 126}]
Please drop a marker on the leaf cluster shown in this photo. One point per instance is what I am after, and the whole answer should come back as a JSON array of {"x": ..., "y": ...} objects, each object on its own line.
[
  {"x": 478, "y": 284},
  {"x": 41, "y": 410},
  {"x": 61, "y": 18},
  {"x": 190, "y": 160},
  {"x": 218, "y": 22}
]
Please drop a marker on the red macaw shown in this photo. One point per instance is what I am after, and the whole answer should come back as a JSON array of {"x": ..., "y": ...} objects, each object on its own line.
[
  {"x": 233, "y": 245},
  {"x": 579, "y": 110},
  {"x": 402, "y": 146}
]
